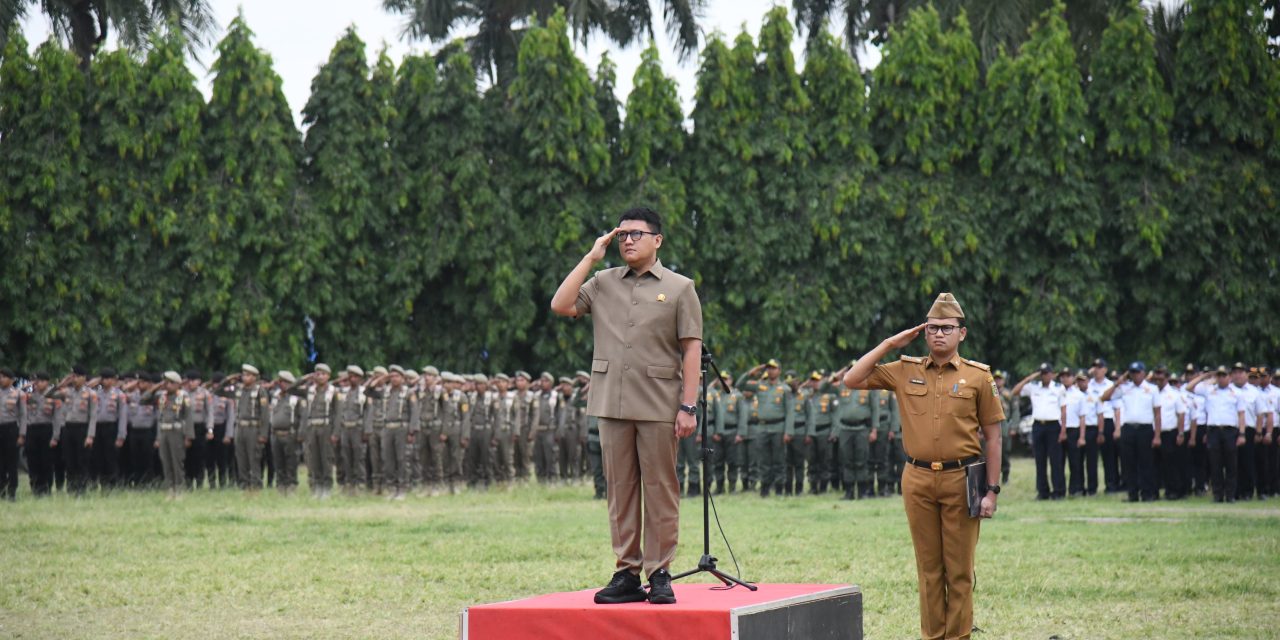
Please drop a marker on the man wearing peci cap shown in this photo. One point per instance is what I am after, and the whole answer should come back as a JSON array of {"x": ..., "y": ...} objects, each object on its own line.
[
  {"x": 949, "y": 404},
  {"x": 1137, "y": 410},
  {"x": 1048, "y": 431},
  {"x": 647, "y": 323}
]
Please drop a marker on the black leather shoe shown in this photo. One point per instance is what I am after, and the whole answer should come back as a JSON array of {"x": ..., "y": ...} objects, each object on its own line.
[
  {"x": 624, "y": 587},
  {"x": 660, "y": 588}
]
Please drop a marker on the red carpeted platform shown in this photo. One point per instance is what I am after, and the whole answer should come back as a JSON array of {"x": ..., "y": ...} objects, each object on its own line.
[{"x": 702, "y": 611}]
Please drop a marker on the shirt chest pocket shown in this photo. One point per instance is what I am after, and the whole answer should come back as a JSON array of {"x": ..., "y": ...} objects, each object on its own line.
[
  {"x": 916, "y": 399},
  {"x": 961, "y": 403}
]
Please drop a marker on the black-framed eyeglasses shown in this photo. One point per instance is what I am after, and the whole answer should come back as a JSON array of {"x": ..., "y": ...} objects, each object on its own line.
[
  {"x": 944, "y": 329},
  {"x": 634, "y": 234}
]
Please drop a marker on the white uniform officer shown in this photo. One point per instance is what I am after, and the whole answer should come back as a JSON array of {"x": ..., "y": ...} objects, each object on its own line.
[
  {"x": 1047, "y": 429},
  {"x": 1137, "y": 410}
]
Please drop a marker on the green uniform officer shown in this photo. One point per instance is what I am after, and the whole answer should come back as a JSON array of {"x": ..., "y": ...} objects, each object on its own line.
[
  {"x": 897, "y": 455},
  {"x": 857, "y": 415},
  {"x": 728, "y": 453},
  {"x": 1008, "y": 428},
  {"x": 689, "y": 459},
  {"x": 747, "y": 429},
  {"x": 795, "y": 438},
  {"x": 819, "y": 448},
  {"x": 881, "y": 469},
  {"x": 774, "y": 404}
]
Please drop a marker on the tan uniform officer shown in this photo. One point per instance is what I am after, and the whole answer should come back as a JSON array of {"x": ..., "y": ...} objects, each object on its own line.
[
  {"x": 176, "y": 428},
  {"x": 647, "y": 322},
  {"x": 948, "y": 404},
  {"x": 252, "y": 402},
  {"x": 350, "y": 436},
  {"x": 318, "y": 433}
]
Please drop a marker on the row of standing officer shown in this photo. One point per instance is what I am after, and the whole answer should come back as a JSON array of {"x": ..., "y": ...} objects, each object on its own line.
[{"x": 774, "y": 435}]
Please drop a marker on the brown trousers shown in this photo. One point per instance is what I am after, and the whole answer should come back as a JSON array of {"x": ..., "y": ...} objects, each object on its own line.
[
  {"x": 945, "y": 539},
  {"x": 644, "y": 498}
]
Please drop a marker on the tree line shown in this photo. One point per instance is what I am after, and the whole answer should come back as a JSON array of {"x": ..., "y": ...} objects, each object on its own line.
[{"x": 1127, "y": 208}]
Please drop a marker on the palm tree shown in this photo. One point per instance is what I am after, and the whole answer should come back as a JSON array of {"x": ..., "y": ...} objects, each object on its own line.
[
  {"x": 499, "y": 24},
  {"x": 1167, "y": 24},
  {"x": 84, "y": 24}
]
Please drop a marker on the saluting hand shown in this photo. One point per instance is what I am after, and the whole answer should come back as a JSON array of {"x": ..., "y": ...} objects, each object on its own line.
[
  {"x": 601, "y": 246},
  {"x": 903, "y": 339}
]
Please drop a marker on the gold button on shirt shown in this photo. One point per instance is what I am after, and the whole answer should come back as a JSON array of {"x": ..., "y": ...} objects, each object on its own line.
[{"x": 942, "y": 404}]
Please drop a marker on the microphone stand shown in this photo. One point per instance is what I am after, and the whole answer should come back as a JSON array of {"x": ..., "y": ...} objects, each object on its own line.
[{"x": 707, "y": 563}]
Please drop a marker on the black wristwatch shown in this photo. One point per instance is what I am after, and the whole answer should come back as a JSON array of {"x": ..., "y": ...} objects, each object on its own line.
[
  {"x": 691, "y": 409},
  {"x": 995, "y": 488}
]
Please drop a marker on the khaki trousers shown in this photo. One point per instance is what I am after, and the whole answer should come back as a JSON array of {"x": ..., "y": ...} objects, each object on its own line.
[
  {"x": 945, "y": 538},
  {"x": 643, "y": 496},
  {"x": 395, "y": 458},
  {"x": 248, "y": 456},
  {"x": 173, "y": 456},
  {"x": 351, "y": 456}
]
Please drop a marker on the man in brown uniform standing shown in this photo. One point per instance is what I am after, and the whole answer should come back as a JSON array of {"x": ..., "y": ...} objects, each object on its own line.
[
  {"x": 948, "y": 406},
  {"x": 647, "y": 323}
]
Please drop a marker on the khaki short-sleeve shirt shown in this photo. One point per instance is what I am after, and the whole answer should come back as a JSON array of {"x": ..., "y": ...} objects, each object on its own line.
[
  {"x": 942, "y": 404},
  {"x": 638, "y": 323}
]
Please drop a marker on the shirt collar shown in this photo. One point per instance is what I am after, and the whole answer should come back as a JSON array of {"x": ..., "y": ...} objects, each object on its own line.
[
  {"x": 657, "y": 270},
  {"x": 954, "y": 361}
]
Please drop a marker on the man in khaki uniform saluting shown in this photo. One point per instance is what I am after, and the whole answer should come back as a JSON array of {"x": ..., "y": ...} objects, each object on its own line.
[
  {"x": 945, "y": 400},
  {"x": 647, "y": 323}
]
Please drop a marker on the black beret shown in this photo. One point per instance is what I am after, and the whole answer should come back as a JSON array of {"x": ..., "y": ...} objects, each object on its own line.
[
  {"x": 79, "y": 370},
  {"x": 107, "y": 372},
  {"x": 41, "y": 375},
  {"x": 193, "y": 374},
  {"x": 7, "y": 372}
]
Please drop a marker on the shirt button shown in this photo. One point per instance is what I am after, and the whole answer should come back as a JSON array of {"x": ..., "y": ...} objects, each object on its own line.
[
  {"x": 626, "y": 367},
  {"x": 635, "y": 302}
]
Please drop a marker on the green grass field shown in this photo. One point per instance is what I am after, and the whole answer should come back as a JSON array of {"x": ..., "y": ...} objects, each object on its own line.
[{"x": 229, "y": 565}]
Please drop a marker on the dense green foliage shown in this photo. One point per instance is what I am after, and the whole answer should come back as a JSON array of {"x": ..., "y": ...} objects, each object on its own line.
[{"x": 1125, "y": 206}]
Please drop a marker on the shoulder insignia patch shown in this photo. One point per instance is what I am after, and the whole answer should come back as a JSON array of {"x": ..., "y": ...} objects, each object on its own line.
[
  {"x": 915, "y": 359},
  {"x": 977, "y": 364},
  {"x": 995, "y": 393}
]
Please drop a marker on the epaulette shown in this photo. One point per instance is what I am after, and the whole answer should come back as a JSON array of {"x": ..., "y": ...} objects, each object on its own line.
[
  {"x": 914, "y": 359},
  {"x": 976, "y": 364}
]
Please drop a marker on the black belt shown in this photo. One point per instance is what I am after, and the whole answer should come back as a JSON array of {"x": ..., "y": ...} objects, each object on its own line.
[
  {"x": 854, "y": 425},
  {"x": 8, "y": 424},
  {"x": 75, "y": 424},
  {"x": 1223, "y": 426},
  {"x": 1056, "y": 422},
  {"x": 1137, "y": 424},
  {"x": 32, "y": 425},
  {"x": 772, "y": 421},
  {"x": 944, "y": 466}
]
